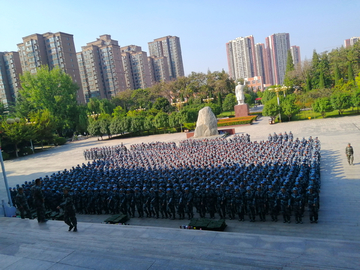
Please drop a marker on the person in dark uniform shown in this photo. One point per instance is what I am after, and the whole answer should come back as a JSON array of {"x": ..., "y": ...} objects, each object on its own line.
[
  {"x": 260, "y": 203},
  {"x": 38, "y": 198},
  {"x": 69, "y": 210},
  {"x": 349, "y": 152},
  {"x": 312, "y": 201},
  {"x": 296, "y": 204},
  {"x": 272, "y": 203},
  {"x": 188, "y": 202},
  {"x": 162, "y": 203},
  {"x": 170, "y": 203},
  {"x": 250, "y": 203},
  {"x": 284, "y": 199},
  {"x": 22, "y": 204}
]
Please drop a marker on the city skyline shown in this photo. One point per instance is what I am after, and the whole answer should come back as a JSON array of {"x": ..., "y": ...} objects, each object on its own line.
[{"x": 204, "y": 27}]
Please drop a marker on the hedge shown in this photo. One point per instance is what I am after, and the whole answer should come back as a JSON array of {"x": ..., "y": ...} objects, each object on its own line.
[
  {"x": 236, "y": 119},
  {"x": 233, "y": 123}
]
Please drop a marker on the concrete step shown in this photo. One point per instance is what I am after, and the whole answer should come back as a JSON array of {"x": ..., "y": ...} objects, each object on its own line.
[{"x": 26, "y": 244}]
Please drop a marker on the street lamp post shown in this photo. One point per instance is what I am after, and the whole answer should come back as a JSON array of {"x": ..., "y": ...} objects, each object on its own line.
[
  {"x": 9, "y": 121},
  {"x": 277, "y": 90},
  {"x": 207, "y": 100},
  {"x": 178, "y": 105},
  {"x": 5, "y": 178}
]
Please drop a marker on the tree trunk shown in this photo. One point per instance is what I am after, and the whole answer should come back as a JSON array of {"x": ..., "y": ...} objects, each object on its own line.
[{"x": 16, "y": 152}]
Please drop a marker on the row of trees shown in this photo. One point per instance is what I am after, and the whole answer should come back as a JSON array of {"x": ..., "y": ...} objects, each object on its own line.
[{"x": 324, "y": 84}]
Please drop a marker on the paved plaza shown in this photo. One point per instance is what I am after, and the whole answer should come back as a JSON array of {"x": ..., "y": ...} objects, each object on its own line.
[{"x": 333, "y": 243}]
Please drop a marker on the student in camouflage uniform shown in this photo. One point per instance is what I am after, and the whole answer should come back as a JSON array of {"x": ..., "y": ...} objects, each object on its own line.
[
  {"x": 39, "y": 201},
  {"x": 349, "y": 152},
  {"x": 296, "y": 205},
  {"x": 69, "y": 210},
  {"x": 22, "y": 204}
]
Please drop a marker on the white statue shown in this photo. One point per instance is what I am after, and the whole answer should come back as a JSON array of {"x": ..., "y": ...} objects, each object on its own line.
[{"x": 239, "y": 92}]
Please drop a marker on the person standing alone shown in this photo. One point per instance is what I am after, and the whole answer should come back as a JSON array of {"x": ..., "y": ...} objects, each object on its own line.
[{"x": 349, "y": 151}]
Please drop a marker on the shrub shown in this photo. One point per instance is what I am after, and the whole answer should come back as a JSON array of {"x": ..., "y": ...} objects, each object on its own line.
[
  {"x": 236, "y": 121},
  {"x": 25, "y": 151},
  {"x": 5, "y": 156},
  {"x": 233, "y": 123},
  {"x": 190, "y": 126},
  {"x": 59, "y": 140}
]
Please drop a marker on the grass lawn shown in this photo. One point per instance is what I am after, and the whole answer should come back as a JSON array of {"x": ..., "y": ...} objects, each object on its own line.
[
  {"x": 226, "y": 114},
  {"x": 304, "y": 115}
]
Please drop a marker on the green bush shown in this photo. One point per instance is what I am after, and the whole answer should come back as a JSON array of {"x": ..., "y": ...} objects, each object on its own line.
[
  {"x": 233, "y": 123},
  {"x": 5, "y": 156},
  {"x": 59, "y": 140},
  {"x": 25, "y": 151},
  {"x": 190, "y": 126},
  {"x": 256, "y": 113}
]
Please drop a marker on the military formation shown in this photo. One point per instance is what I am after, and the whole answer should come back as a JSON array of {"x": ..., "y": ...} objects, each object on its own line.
[{"x": 228, "y": 178}]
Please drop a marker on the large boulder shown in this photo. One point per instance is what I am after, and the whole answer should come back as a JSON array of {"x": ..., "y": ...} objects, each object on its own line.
[{"x": 206, "y": 124}]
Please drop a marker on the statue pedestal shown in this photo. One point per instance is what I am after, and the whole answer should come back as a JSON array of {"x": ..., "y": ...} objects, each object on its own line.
[{"x": 241, "y": 110}]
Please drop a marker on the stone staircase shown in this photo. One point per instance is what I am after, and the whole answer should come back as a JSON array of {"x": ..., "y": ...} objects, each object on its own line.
[{"x": 26, "y": 244}]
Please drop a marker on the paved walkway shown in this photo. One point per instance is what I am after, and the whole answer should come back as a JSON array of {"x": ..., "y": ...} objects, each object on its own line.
[{"x": 338, "y": 227}]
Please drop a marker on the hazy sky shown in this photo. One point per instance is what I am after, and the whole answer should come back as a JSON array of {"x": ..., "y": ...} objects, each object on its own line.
[{"x": 204, "y": 27}]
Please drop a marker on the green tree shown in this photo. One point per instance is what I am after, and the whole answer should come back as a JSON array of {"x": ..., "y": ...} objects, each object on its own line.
[
  {"x": 16, "y": 131},
  {"x": 104, "y": 124},
  {"x": 288, "y": 106},
  {"x": 188, "y": 115},
  {"x": 43, "y": 126},
  {"x": 106, "y": 107},
  {"x": 308, "y": 85},
  {"x": 94, "y": 105},
  {"x": 315, "y": 70},
  {"x": 125, "y": 124},
  {"x": 268, "y": 95},
  {"x": 337, "y": 75},
  {"x": 271, "y": 108},
  {"x": 149, "y": 122},
  {"x": 229, "y": 102},
  {"x": 174, "y": 119},
  {"x": 289, "y": 69},
  {"x": 321, "y": 80},
  {"x": 161, "y": 120},
  {"x": 115, "y": 126},
  {"x": 94, "y": 128},
  {"x": 355, "y": 99},
  {"x": 350, "y": 72},
  {"x": 118, "y": 112},
  {"x": 52, "y": 90},
  {"x": 219, "y": 100},
  {"x": 162, "y": 104},
  {"x": 340, "y": 101},
  {"x": 137, "y": 123},
  {"x": 322, "y": 105}
]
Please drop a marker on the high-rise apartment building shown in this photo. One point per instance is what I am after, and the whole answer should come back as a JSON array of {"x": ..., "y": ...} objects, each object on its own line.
[
  {"x": 101, "y": 68},
  {"x": 54, "y": 50},
  {"x": 10, "y": 69},
  {"x": 170, "y": 48},
  {"x": 159, "y": 69},
  {"x": 241, "y": 57},
  {"x": 136, "y": 67},
  {"x": 261, "y": 61},
  {"x": 265, "y": 61},
  {"x": 278, "y": 47},
  {"x": 295, "y": 54},
  {"x": 351, "y": 41}
]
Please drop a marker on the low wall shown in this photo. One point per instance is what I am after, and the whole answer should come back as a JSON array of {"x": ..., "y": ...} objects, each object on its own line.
[{"x": 230, "y": 131}]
